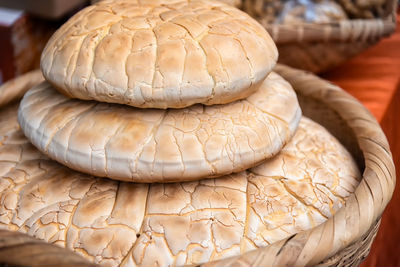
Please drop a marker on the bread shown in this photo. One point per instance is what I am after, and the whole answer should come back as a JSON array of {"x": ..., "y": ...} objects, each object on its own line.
[
  {"x": 296, "y": 190},
  {"x": 177, "y": 54},
  {"x": 153, "y": 145},
  {"x": 236, "y": 3},
  {"x": 119, "y": 223}
]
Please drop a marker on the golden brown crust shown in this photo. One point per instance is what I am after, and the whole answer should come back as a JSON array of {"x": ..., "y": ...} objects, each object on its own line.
[
  {"x": 179, "y": 223},
  {"x": 48, "y": 201},
  {"x": 152, "y": 145},
  {"x": 159, "y": 54}
]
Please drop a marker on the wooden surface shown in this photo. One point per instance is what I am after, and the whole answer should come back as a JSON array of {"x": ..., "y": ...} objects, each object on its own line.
[{"x": 374, "y": 78}]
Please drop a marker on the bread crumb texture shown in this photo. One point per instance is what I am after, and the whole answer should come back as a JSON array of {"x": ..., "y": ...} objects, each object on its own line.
[
  {"x": 159, "y": 54},
  {"x": 129, "y": 224}
]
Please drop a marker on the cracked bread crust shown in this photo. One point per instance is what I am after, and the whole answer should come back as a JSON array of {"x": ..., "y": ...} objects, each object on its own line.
[
  {"x": 189, "y": 223},
  {"x": 117, "y": 223},
  {"x": 159, "y": 54},
  {"x": 152, "y": 145}
]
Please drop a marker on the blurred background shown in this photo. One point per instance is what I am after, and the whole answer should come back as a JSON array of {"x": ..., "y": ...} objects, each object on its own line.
[{"x": 352, "y": 43}]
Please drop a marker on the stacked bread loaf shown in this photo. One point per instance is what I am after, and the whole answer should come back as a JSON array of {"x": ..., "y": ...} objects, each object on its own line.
[{"x": 177, "y": 103}]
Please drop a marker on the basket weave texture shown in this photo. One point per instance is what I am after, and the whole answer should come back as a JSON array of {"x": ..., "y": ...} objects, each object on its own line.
[
  {"x": 18, "y": 249},
  {"x": 319, "y": 47},
  {"x": 16, "y": 88},
  {"x": 344, "y": 239}
]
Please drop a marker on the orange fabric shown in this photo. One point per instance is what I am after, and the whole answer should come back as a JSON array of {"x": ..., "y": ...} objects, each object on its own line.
[{"x": 373, "y": 77}]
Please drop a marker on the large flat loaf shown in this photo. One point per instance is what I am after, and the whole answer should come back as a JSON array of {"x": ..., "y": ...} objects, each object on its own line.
[
  {"x": 153, "y": 145},
  {"x": 129, "y": 224},
  {"x": 159, "y": 53}
]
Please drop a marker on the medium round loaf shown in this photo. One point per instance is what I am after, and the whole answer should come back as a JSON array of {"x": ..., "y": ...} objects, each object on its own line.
[
  {"x": 119, "y": 223},
  {"x": 152, "y": 145},
  {"x": 159, "y": 54}
]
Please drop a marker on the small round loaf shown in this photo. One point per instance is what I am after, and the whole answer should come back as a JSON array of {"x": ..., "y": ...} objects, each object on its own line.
[
  {"x": 129, "y": 224},
  {"x": 159, "y": 54},
  {"x": 153, "y": 145}
]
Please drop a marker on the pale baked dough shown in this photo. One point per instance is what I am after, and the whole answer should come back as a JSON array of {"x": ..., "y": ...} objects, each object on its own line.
[
  {"x": 235, "y": 3},
  {"x": 153, "y": 145},
  {"x": 112, "y": 222},
  {"x": 159, "y": 54}
]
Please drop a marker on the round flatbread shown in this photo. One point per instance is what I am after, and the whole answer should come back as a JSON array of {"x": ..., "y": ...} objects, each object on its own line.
[
  {"x": 129, "y": 224},
  {"x": 159, "y": 54},
  {"x": 154, "y": 145}
]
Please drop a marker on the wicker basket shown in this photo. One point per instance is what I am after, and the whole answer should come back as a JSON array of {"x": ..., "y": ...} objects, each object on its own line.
[
  {"x": 344, "y": 239},
  {"x": 16, "y": 88},
  {"x": 17, "y": 249},
  {"x": 319, "y": 47}
]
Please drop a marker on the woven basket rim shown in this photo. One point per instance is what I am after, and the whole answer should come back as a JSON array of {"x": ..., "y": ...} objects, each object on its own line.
[
  {"x": 351, "y": 30},
  {"x": 14, "y": 89},
  {"x": 20, "y": 249},
  {"x": 361, "y": 210},
  {"x": 347, "y": 226}
]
